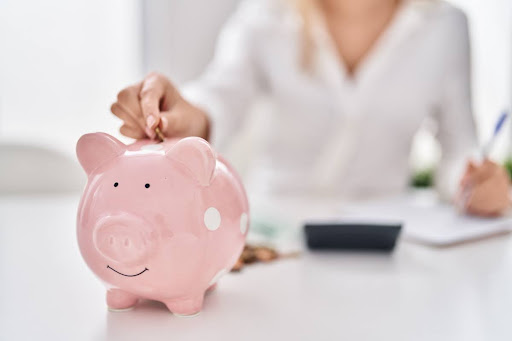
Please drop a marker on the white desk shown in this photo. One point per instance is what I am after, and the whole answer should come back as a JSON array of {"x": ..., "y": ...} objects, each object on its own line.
[{"x": 418, "y": 293}]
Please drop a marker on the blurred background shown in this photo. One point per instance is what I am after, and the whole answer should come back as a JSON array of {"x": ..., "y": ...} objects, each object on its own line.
[{"x": 63, "y": 62}]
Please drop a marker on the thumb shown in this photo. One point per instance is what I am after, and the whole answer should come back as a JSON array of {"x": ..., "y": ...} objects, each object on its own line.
[
  {"x": 150, "y": 106},
  {"x": 173, "y": 123},
  {"x": 184, "y": 120}
]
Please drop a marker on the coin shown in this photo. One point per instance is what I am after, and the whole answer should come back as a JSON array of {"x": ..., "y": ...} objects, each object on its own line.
[
  {"x": 159, "y": 134},
  {"x": 259, "y": 254},
  {"x": 265, "y": 254}
]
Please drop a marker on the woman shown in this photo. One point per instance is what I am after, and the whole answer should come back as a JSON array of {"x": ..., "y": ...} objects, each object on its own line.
[{"x": 352, "y": 81}]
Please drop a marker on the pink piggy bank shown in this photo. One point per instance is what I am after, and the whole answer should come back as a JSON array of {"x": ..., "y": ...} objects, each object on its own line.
[{"x": 159, "y": 221}]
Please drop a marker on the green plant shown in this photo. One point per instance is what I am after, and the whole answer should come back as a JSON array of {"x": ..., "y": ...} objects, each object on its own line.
[
  {"x": 508, "y": 166},
  {"x": 423, "y": 178}
]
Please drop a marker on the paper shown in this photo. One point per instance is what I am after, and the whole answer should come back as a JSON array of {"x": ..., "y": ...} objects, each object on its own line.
[{"x": 428, "y": 221}]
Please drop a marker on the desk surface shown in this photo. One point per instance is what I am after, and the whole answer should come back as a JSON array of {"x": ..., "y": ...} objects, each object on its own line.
[{"x": 418, "y": 293}]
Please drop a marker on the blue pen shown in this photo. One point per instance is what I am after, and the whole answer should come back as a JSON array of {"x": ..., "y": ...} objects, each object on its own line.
[{"x": 497, "y": 128}]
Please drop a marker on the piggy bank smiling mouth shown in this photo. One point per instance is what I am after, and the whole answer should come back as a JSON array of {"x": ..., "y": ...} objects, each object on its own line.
[{"x": 140, "y": 273}]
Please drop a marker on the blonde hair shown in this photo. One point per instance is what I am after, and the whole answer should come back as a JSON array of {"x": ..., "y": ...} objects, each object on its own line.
[{"x": 306, "y": 10}]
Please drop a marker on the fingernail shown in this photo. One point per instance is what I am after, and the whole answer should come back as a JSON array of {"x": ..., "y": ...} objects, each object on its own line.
[
  {"x": 150, "y": 121},
  {"x": 150, "y": 133}
]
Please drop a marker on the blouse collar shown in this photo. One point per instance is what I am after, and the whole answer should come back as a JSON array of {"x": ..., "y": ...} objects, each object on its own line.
[{"x": 328, "y": 64}]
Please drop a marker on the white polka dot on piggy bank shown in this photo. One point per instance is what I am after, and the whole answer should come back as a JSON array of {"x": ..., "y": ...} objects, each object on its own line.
[
  {"x": 142, "y": 225},
  {"x": 212, "y": 218},
  {"x": 244, "y": 221}
]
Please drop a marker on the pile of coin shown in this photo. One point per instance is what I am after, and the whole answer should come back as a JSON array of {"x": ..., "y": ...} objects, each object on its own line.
[{"x": 258, "y": 254}]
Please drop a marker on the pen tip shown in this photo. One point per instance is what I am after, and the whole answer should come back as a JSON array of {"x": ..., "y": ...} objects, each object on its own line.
[{"x": 501, "y": 121}]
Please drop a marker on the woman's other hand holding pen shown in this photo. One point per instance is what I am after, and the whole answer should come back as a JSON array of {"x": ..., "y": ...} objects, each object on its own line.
[
  {"x": 484, "y": 189},
  {"x": 155, "y": 102}
]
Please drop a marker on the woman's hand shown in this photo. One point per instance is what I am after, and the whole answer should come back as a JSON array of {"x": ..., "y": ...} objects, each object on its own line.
[
  {"x": 484, "y": 189},
  {"x": 153, "y": 103}
]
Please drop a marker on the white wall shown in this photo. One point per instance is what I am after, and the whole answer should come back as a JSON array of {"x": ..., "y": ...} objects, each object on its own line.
[
  {"x": 61, "y": 65},
  {"x": 180, "y": 35}
]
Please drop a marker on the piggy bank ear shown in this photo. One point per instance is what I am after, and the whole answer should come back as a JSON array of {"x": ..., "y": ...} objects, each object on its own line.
[
  {"x": 197, "y": 156},
  {"x": 95, "y": 149}
]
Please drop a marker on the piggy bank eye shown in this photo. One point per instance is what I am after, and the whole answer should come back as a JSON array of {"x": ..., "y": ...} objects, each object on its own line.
[
  {"x": 116, "y": 184},
  {"x": 146, "y": 185}
]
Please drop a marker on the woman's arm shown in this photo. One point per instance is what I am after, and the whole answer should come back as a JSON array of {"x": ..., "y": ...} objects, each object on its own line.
[{"x": 456, "y": 130}]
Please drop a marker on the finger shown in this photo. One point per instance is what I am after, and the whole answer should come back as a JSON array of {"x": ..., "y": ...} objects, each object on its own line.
[
  {"x": 133, "y": 132},
  {"x": 150, "y": 133},
  {"x": 486, "y": 171},
  {"x": 479, "y": 212},
  {"x": 151, "y": 94},
  {"x": 159, "y": 86},
  {"x": 129, "y": 97},
  {"x": 118, "y": 111},
  {"x": 150, "y": 102},
  {"x": 484, "y": 210},
  {"x": 127, "y": 116},
  {"x": 490, "y": 197}
]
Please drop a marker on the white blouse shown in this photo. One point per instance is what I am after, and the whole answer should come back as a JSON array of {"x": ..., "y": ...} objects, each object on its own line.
[{"x": 333, "y": 133}]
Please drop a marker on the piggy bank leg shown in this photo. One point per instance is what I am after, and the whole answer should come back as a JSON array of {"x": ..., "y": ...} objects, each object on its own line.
[
  {"x": 186, "y": 307},
  {"x": 118, "y": 300}
]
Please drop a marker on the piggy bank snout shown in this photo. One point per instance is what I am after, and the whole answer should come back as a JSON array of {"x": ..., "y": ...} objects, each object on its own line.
[{"x": 125, "y": 239}]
